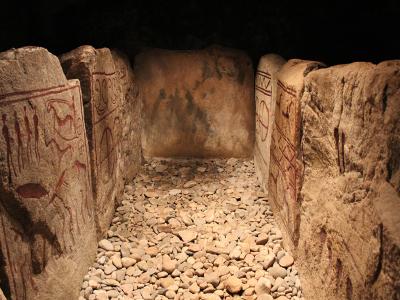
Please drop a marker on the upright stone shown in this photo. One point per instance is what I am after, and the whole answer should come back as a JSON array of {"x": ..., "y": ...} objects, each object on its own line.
[
  {"x": 131, "y": 148},
  {"x": 196, "y": 103},
  {"x": 265, "y": 91},
  {"x": 47, "y": 231},
  {"x": 102, "y": 95},
  {"x": 349, "y": 245},
  {"x": 286, "y": 165}
]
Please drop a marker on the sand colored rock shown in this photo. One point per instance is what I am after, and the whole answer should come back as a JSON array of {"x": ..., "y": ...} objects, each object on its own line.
[
  {"x": 131, "y": 149},
  {"x": 2, "y": 297},
  {"x": 47, "y": 232},
  {"x": 349, "y": 227},
  {"x": 103, "y": 96},
  {"x": 196, "y": 103},
  {"x": 265, "y": 90},
  {"x": 286, "y": 165}
]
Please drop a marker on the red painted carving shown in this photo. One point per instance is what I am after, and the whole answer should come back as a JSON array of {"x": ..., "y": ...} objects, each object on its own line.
[
  {"x": 107, "y": 149},
  {"x": 79, "y": 166},
  {"x": 262, "y": 119},
  {"x": 284, "y": 173},
  {"x": 8, "y": 140},
  {"x": 36, "y": 130},
  {"x": 19, "y": 142},
  {"x": 263, "y": 82},
  {"x": 31, "y": 190},
  {"x": 60, "y": 151},
  {"x": 53, "y": 122},
  {"x": 60, "y": 122},
  {"x": 28, "y": 136},
  {"x": 100, "y": 87},
  {"x": 263, "y": 97}
]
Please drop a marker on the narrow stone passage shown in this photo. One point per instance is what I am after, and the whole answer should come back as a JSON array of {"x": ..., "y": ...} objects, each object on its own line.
[{"x": 193, "y": 229}]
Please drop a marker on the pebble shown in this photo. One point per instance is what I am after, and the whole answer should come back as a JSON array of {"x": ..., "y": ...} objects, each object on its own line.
[
  {"x": 277, "y": 271},
  {"x": 233, "y": 285},
  {"x": 212, "y": 278},
  {"x": 286, "y": 261},
  {"x": 263, "y": 286},
  {"x": 167, "y": 282},
  {"x": 127, "y": 262},
  {"x": 187, "y": 235},
  {"x": 106, "y": 245},
  {"x": 168, "y": 264},
  {"x": 195, "y": 230}
]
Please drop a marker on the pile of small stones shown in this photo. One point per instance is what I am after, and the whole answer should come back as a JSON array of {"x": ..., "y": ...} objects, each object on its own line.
[{"x": 193, "y": 229}]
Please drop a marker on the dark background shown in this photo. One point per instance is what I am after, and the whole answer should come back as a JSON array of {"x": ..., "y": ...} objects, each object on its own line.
[{"x": 330, "y": 31}]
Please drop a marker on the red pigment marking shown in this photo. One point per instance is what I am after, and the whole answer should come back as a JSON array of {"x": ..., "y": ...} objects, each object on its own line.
[{"x": 31, "y": 190}]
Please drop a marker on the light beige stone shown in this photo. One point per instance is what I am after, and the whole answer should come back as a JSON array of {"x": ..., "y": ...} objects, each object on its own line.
[
  {"x": 46, "y": 210},
  {"x": 286, "y": 166},
  {"x": 349, "y": 224},
  {"x": 102, "y": 96},
  {"x": 265, "y": 97},
  {"x": 196, "y": 103},
  {"x": 131, "y": 148},
  {"x": 233, "y": 285}
]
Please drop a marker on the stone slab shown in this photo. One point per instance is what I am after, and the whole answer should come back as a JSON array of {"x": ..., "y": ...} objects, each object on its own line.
[
  {"x": 197, "y": 103},
  {"x": 131, "y": 148},
  {"x": 286, "y": 165},
  {"x": 47, "y": 230},
  {"x": 350, "y": 226},
  {"x": 265, "y": 90},
  {"x": 103, "y": 96}
]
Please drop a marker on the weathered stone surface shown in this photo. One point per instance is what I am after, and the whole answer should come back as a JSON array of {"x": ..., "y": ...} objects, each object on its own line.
[
  {"x": 285, "y": 164},
  {"x": 103, "y": 96},
  {"x": 196, "y": 103},
  {"x": 350, "y": 225},
  {"x": 47, "y": 233},
  {"x": 131, "y": 148},
  {"x": 265, "y": 90}
]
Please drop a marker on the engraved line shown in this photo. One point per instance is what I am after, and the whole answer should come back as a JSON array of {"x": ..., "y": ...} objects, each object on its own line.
[
  {"x": 4, "y": 103},
  {"x": 105, "y": 116},
  {"x": 29, "y": 92}
]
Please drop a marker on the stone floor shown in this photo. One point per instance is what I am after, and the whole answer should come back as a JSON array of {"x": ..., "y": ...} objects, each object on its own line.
[{"x": 193, "y": 229}]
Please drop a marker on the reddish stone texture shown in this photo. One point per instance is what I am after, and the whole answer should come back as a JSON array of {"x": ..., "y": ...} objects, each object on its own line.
[
  {"x": 196, "y": 103},
  {"x": 131, "y": 148},
  {"x": 265, "y": 90},
  {"x": 103, "y": 97},
  {"x": 47, "y": 230},
  {"x": 286, "y": 165},
  {"x": 349, "y": 243}
]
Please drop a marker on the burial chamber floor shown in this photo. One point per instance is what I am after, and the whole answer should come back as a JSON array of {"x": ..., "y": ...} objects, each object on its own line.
[{"x": 193, "y": 229}]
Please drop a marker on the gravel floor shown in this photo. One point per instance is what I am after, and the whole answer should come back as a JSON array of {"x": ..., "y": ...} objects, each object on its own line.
[{"x": 193, "y": 229}]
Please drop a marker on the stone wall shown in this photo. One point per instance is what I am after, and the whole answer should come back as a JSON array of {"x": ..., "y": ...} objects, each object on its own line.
[
  {"x": 131, "y": 148},
  {"x": 334, "y": 175},
  {"x": 103, "y": 96},
  {"x": 349, "y": 244},
  {"x": 285, "y": 177},
  {"x": 265, "y": 90},
  {"x": 47, "y": 231},
  {"x": 196, "y": 103}
]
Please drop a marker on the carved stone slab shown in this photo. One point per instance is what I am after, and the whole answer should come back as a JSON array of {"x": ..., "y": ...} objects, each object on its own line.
[
  {"x": 103, "y": 96},
  {"x": 131, "y": 148},
  {"x": 265, "y": 90},
  {"x": 349, "y": 243},
  {"x": 286, "y": 166},
  {"x": 47, "y": 230}
]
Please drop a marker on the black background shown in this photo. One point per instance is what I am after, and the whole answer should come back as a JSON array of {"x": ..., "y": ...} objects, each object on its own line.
[{"x": 329, "y": 31}]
